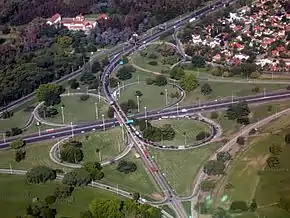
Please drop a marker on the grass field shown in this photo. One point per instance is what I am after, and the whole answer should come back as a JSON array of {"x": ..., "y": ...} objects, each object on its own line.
[
  {"x": 137, "y": 181},
  {"x": 181, "y": 167},
  {"x": 226, "y": 90},
  {"x": 185, "y": 131},
  {"x": 36, "y": 154},
  {"x": 187, "y": 206},
  {"x": 266, "y": 187},
  {"x": 77, "y": 111},
  {"x": 107, "y": 142},
  {"x": 144, "y": 61},
  {"x": 153, "y": 96},
  {"x": 17, "y": 195}
]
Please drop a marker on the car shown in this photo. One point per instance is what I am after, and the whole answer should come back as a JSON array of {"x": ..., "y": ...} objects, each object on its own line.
[
  {"x": 82, "y": 131},
  {"x": 184, "y": 110},
  {"x": 50, "y": 130},
  {"x": 93, "y": 129}
]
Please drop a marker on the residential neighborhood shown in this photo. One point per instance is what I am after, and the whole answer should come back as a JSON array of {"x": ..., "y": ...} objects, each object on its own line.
[{"x": 257, "y": 34}]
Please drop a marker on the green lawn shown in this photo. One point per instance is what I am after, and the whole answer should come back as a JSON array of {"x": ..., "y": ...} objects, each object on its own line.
[
  {"x": 138, "y": 181},
  {"x": 143, "y": 62},
  {"x": 226, "y": 90},
  {"x": 77, "y": 111},
  {"x": 17, "y": 195},
  {"x": 107, "y": 142},
  {"x": 153, "y": 96},
  {"x": 181, "y": 167},
  {"x": 36, "y": 154},
  {"x": 187, "y": 207},
  {"x": 185, "y": 131}
]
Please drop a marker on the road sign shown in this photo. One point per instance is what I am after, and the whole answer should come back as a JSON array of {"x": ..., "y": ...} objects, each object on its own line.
[
  {"x": 129, "y": 121},
  {"x": 121, "y": 62}
]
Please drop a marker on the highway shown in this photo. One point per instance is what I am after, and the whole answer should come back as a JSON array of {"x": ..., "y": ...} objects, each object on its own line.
[{"x": 131, "y": 131}]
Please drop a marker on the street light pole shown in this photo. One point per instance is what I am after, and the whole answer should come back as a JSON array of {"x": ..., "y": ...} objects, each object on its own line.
[
  {"x": 38, "y": 130},
  {"x": 62, "y": 114},
  {"x": 97, "y": 112},
  {"x": 232, "y": 98},
  {"x": 264, "y": 92},
  {"x": 99, "y": 94},
  {"x": 138, "y": 79},
  {"x": 72, "y": 129},
  {"x": 123, "y": 133},
  {"x": 177, "y": 112},
  {"x": 4, "y": 138},
  {"x": 103, "y": 118},
  {"x": 119, "y": 90},
  {"x": 166, "y": 100},
  {"x": 138, "y": 103},
  {"x": 145, "y": 110}
]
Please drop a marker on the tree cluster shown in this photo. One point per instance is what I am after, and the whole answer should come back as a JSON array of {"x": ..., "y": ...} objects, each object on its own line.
[
  {"x": 122, "y": 209},
  {"x": 45, "y": 111},
  {"x": 13, "y": 132},
  {"x": 125, "y": 72},
  {"x": 40, "y": 174},
  {"x": 239, "y": 112},
  {"x": 94, "y": 169},
  {"x": 188, "y": 82},
  {"x": 126, "y": 166},
  {"x": 49, "y": 93},
  {"x": 71, "y": 152},
  {"x": 155, "y": 134},
  {"x": 214, "y": 167}
]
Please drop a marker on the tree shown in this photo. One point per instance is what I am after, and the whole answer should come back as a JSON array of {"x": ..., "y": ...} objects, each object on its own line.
[
  {"x": 94, "y": 169},
  {"x": 207, "y": 185},
  {"x": 108, "y": 208},
  {"x": 198, "y": 61},
  {"x": 149, "y": 81},
  {"x": 241, "y": 140},
  {"x": 223, "y": 156},
  {"x": 7, "y": 114},
  {"x": 138, "y": 93},
  {"x": 40, "y": 174},
  {"x": 87, "y": 214},
  {"x": 125, "y": 72},
  {"x": 96, "y": 66},
  {"x": 238, "y": 206},
  {"x": 206, "y": 89},
  {"x": 168, "y": 133},
  {"x": 40, "y": 210},
  {"x": 20, "y": 155},
  {"x": 63, "y": 191},
  {"x": 71, "y": 154},
  {"x": 136, "y": 196},
  {"x": 49, "y": 93},
  {"x": 284, "y": 203},
  {"x": 50, "y": 199},
  {"x": 19, "y": 143},
  {"x": 177, "y": 73},
  {"x": 45, "y": 112},
  {"x": 73, "y": 84},
  {"x": 239, "y": 112},
  {"x": 110, "y": 112},
  {"x": 188, "y": 82},
  {"x": 77, "y": 177},
  {"x": 273, "y": 162},
  {"x": 253, "y": 206},
  {"x": 126, "y": 166},
  {"x": 287, "y": 138},
  {"x": 214, "y": 115},
  {"x": 160, "y": 80},
  {"x": 14, "y": 131},
  {"x": 213, "y": 167},
  {"x": 275, "y": 149},
  {"x": 202, "y": 135},
  {"x": 113, "y": 82},
  {"x": 221, "y": 213},
  {"x": 84, "y": 97}
]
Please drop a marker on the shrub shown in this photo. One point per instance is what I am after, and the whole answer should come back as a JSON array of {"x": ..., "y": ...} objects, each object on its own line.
[
  {"x": 84, "y": 97},
  {"x": 238, "y": 206},
  {"x": 50, "y": 199},
  {"x": 202, "y": 135},
  {"x": 19, "y": 143},
  {"x": 152, "y": 55},
  {"x": 126, "y": 166},
  {"x": 223, "y": 156},
  {"x": 214, "y": 115},
  {"x": 20, "y": 155},
  {"x": 207, "y": 185},
  {"x": 149, "y": 81},
  {"x": 160, "y": 80},
  {"x": 153, "y": 63}
]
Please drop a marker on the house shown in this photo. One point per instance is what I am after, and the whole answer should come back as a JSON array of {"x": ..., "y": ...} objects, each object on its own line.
[
  {"x": 76, "y": 23},
  {"x": 55, "y": 19}
]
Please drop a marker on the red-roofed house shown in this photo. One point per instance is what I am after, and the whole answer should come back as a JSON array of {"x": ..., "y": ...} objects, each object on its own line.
[{"x": 54, "y": 19}]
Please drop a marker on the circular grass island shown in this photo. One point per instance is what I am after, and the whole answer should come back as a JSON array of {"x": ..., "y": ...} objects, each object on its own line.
[
  {"x": 186, "y": 131},
  {"x": 150, "y": 96}
]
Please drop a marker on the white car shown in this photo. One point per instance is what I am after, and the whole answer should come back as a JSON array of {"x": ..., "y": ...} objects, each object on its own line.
[
  {"x": 82, "y": 131},
  {"x": 93, "y": 129},
  {"x": 183, "y": 110}
]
